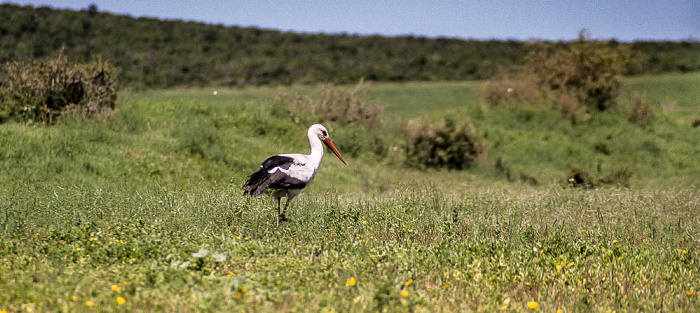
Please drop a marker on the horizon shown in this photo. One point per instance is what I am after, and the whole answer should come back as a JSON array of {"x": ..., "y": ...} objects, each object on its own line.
[{"x": 390, "y": 20}]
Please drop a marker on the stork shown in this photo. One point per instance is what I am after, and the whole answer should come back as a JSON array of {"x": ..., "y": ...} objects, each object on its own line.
[{"x": 287, "y": 174}]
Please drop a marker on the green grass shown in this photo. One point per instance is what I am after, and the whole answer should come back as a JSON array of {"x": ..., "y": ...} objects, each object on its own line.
[{"x": 133, "y": 199}]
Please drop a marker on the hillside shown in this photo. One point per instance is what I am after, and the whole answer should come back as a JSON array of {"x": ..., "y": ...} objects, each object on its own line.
[{"x": 152, "y": 53}]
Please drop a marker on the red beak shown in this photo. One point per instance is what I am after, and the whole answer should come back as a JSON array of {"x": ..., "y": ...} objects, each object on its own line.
[{"x": 330, "y": 145}]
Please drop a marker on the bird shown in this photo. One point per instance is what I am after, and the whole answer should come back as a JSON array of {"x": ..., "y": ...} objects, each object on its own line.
[{"x": 285, "y": 175}]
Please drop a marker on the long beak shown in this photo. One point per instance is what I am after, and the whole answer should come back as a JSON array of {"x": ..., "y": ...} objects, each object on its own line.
[{"x": 330, "y": 145}]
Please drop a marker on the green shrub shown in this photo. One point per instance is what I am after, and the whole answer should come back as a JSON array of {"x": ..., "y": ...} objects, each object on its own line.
[
  {"x": 336, "y": 105},
  {"x": 451, "y": 144},
  {"x": 588, "y": 70},
  {"x": 40, "y": 90},
  {"x": 577, "y": 77}
]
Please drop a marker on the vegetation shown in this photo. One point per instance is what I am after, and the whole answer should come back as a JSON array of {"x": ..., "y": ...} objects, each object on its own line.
[
  {"x": 338, "y": 106},
  {"x": 451, "y": 144},
  {"x": 151, "y": 53},
  {"x": 588, "y": 72},
  {"x": 585, "y": 76},
  {"x": 39, "y": 91},
  {"x": 143, "y": 211}
]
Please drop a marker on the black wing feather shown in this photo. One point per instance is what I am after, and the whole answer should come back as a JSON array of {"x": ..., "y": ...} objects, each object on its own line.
[{"x": 259, "y": 181}]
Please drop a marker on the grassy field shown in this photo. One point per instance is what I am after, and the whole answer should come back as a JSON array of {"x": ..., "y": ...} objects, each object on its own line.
[{"x": 142, "y": 210}]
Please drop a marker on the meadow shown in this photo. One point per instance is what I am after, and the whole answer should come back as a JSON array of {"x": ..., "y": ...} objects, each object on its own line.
[{"x": 141, "y": 210}]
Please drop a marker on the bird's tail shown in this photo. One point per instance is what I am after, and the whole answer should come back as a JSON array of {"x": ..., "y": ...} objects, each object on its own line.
[{"x": 257, "y": 183}]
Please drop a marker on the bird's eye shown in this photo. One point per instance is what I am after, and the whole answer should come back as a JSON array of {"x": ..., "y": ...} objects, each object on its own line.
[{"x": 325, "y": 134}]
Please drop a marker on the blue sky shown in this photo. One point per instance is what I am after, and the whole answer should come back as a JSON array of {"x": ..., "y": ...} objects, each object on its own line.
[{"x": 505, "y": 19}]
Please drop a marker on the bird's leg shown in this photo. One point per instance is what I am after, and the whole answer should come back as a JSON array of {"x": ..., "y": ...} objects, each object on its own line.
[
  {"x": 282, "y": 217},
  {"x": 279, "y": 204}
]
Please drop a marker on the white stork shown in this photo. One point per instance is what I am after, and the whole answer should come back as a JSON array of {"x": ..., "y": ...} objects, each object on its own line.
[{"x": 288, "y": 174}]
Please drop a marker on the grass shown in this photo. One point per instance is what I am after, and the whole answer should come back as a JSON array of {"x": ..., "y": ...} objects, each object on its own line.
[{"x": 143, "y": 211}]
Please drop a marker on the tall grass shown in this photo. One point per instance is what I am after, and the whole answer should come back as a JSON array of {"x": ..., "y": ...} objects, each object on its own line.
[{"x": 486, "y": 249}]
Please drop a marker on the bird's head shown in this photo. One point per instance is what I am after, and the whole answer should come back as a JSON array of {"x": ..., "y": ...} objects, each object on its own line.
[{"x": 322, "y": 133}]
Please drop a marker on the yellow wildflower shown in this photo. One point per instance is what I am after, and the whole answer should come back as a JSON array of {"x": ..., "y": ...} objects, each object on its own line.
[
  {"x": 532, "y": 305},
  {"x": 351, "y": 282},
  {"x": 683, "y": 251},
  {"x": 78, "y": 249},
  {"x": 447, "y": 285},
  {"x": 115, "y": 288},
  {"x": 128, "y": 283},
  {"x": 689, "y": 293},
  {"x": 404, "y": 293},
  {"x": 409, "y": 282},
  {"x": 90, "y": 303},
  {"x": 73, "y": 298},
  {"x": 121, "y": 300},
  {"x": 560, "y": 311},
  {"x": 239, "y": 295}
]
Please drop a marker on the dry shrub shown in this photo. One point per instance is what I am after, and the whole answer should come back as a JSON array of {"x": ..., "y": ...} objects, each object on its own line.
[
  {"x": 451, "y": 144},
  {"x": 507, "y": 88},
  {"x": 41, "y": 90},
  {"x": 639, "y": 110},
  {"x": 336, "y": 105}
]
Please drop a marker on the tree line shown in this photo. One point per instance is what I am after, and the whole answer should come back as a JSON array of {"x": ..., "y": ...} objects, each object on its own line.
[{"x": 153, "y": 53}]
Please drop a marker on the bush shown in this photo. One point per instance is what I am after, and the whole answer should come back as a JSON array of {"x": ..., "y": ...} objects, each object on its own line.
[
  {"x": 588, "y": 70},
  {"x": 336, "y": 105},
  {"x": 39, "y": 91},
  {"x": 579, "y": 176},
  {"x": 450, "y": 144},
  {"x": 639, "y": 110},
  {"x": 578, "y": 77},
  {"x": 511, "y": 88}
]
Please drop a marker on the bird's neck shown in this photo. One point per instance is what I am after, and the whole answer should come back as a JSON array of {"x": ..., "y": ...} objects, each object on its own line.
[{"x": 316, "y": 154}]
